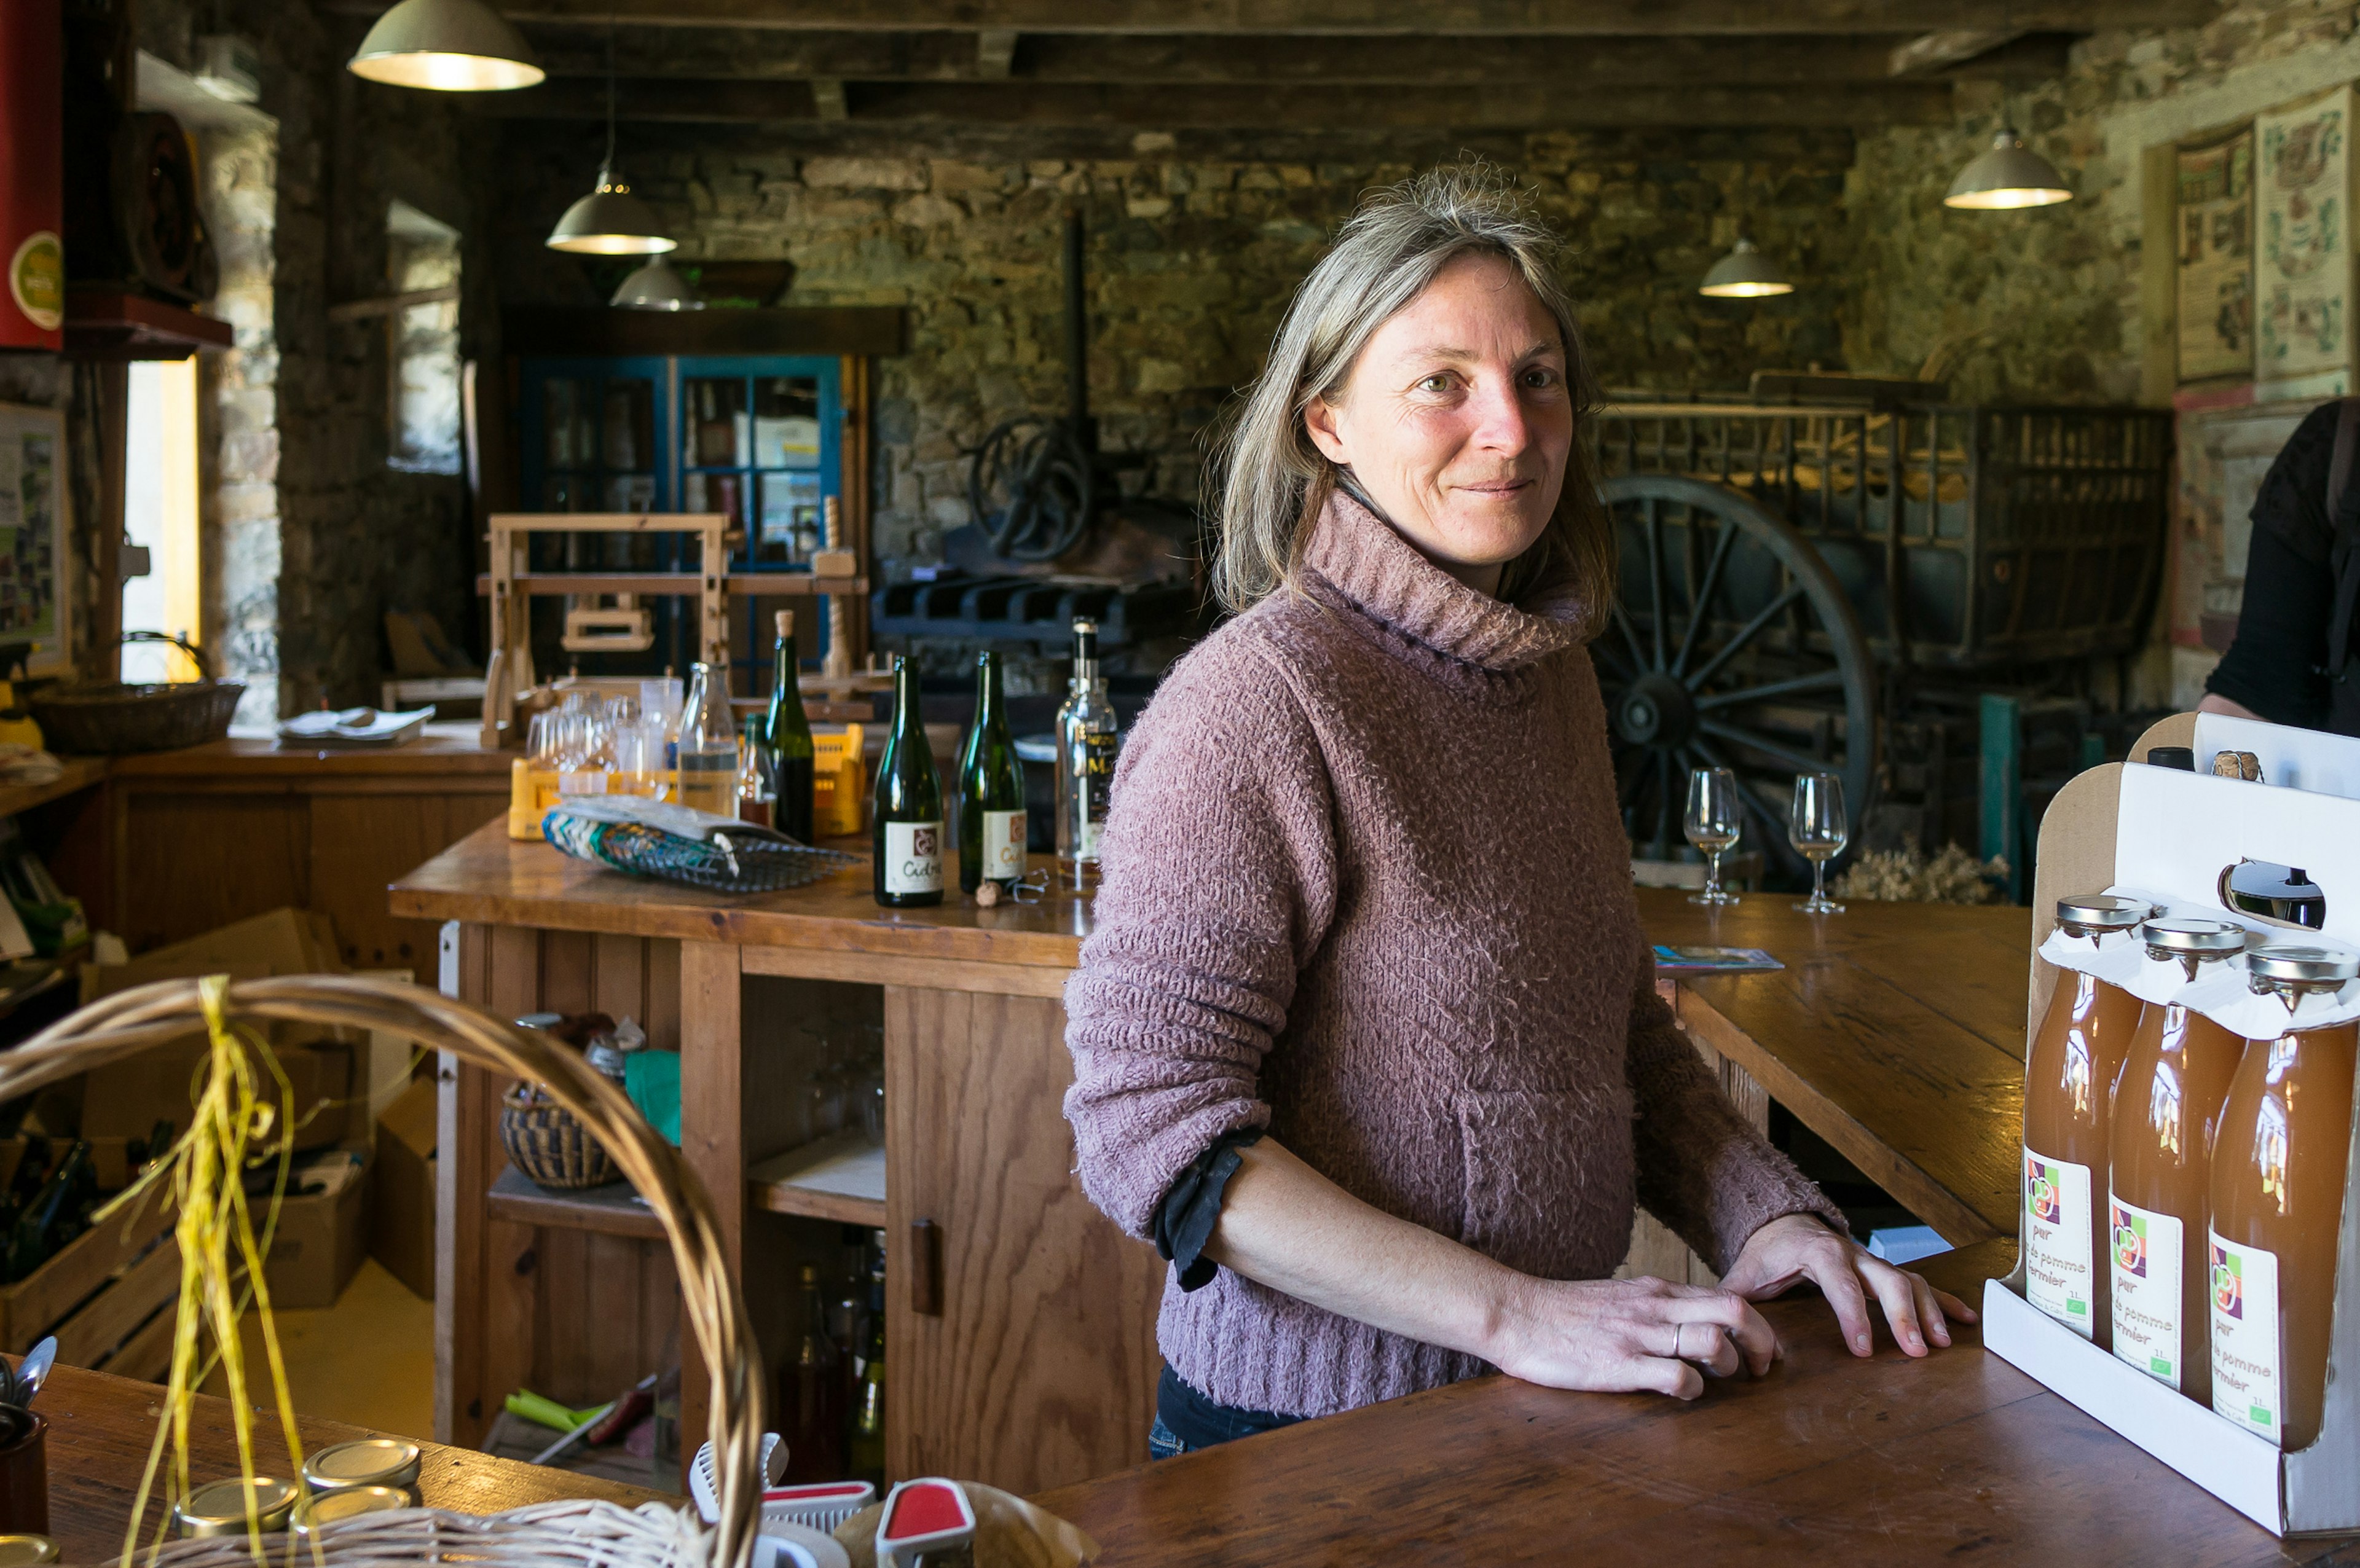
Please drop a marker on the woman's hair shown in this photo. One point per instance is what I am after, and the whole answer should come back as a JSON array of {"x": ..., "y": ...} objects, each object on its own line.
[{"x": 1273, "y": 483}]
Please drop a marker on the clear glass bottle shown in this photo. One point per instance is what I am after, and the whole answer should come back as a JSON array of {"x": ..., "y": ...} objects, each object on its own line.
[
  {"x": 2160, "y": 1166},
  {"x": 757, "y": 801},
  {"x": 1087, "y": 742},
  {"x": 708, "y": 744},
  {"x": 2277, "y": 1204},
  {"x": 2069, "y": 1085}
]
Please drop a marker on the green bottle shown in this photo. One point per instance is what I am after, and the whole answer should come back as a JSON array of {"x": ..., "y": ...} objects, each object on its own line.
[
  {"x": 790, "y": 737},
  {"x": 991, "y": 789},
  {"x": 908, "y": 843},
  {"x": 864, "y": 1447}
]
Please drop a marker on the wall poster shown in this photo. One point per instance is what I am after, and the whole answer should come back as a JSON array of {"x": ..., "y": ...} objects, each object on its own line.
[
  {"x": 33, "y": 501},
  {"x": 2215, "y": 264},
  {"x": 2303, "y": 255}
]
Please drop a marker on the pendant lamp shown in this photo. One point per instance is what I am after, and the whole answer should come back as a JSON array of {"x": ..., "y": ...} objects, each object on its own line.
[
  {"x": 1746, "y": 274},
  {"x": 446, "y": 45},
  {"x": 2009, "y": 175},
  {"x": 610, "y": 221},
  {"x": 656, "y": 287}
]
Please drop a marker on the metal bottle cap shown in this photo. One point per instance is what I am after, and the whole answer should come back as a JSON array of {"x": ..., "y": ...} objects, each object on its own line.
[
  {"x": 2094, "y": 915},
  {"x": 351, "y": 1502},
  {"x": 25, "y": 1550},
  {"x": 2286, "y": 966},
  {"x": 364, "y": 1462},
  {"x": 218, "y": 1507},
  {"x": 2193, "y": 943}
]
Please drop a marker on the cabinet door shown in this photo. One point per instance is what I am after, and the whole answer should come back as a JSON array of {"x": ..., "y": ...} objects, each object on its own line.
[{"x": 1037, "y": 1366}]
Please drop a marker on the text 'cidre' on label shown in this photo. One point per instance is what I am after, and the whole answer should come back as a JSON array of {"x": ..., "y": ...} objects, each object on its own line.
[
  {"x": 1003, "y": 844},
  {"x": 913, "y": 857}
]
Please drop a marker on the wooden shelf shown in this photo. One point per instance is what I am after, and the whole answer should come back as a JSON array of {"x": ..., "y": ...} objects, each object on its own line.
[
  {"x": 114, "y": 325},
  {"x": 840, "y": 1178},
  {"x": 745, "y": 584},
  {"x": 80, "y": 773},
  {"x": 612, "y": 1210}
]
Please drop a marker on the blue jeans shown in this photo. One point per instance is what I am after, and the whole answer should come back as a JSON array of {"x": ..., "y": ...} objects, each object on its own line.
[{"x": 1186, "y": 1421}]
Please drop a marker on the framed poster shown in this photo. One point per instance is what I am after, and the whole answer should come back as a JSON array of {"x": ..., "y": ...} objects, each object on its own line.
[
  {"x": 34, "y": 497},
  {"x": 2214, "y": 266},
  {"x": 2302, "y": 259}
]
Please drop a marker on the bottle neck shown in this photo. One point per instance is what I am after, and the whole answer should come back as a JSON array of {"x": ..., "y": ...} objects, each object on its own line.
[
  {"x": 905, "y": 700},
  {"x": 785, "y": 665},
  {"x": 989, "y": 694}
]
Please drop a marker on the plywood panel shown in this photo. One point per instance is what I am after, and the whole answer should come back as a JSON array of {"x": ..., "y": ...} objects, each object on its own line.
[{"x": 1039, "y": 1368}]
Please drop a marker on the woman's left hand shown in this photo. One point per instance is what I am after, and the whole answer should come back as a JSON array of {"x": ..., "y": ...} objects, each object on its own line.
[{"x": 1798, "y": 1247}]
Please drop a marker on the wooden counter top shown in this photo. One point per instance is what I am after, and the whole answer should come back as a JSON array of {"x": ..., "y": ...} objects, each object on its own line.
[
  {"x": 444, "y": 750},
  {"x": 1830, "y": 1459},
  {"x": 490, "y": 879}
]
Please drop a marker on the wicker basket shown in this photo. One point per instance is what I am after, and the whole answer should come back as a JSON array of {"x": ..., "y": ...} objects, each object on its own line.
[
  {"x": 549, "y": 1144},
  {"x": 109, "y": 718},
  {"x": 582, "y": 1534}
]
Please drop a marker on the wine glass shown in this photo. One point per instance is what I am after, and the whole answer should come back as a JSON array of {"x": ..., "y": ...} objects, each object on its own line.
[
  {"x": 1711, "y": 823},
  {"x": 1815, "y": 826}
]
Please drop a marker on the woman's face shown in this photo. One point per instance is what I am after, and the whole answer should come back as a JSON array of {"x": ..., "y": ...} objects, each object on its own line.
[{"x": 1457, "y": 420}]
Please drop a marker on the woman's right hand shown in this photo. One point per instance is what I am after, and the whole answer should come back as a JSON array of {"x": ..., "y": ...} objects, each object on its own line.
[{"x": 1626, "y": 1336}]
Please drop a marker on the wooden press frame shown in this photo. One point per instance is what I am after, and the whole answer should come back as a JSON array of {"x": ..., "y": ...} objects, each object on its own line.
[{"x": 514, "y": 586}]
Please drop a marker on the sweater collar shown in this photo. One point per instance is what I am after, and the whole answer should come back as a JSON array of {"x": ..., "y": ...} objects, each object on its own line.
[{"x": 1359, "y": 557}]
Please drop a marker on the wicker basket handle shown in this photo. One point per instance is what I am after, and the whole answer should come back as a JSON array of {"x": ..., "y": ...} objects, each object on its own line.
[{"x": 196, "y": 655}]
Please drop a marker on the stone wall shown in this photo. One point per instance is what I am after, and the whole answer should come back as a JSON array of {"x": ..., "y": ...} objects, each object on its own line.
[{"x": 1190, "y": 264}]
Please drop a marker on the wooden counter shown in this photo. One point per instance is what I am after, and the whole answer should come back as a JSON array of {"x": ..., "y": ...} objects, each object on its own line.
[
  {"x": 1828, "y": 1460},
  {"x": 1021, "y": 1322},
  {"x": 101, "y": 1428}
]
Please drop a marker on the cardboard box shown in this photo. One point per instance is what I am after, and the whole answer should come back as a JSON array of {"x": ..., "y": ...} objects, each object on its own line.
[
  {"x": 401, "y": 1216},
  {"x": 321, "y": 1237},
  {"x": 128, "y": 1097},
  {"x": 2164, "y": 834}
]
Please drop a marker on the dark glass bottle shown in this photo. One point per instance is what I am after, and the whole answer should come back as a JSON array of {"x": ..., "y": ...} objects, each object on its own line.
[
  {"x": 865, "y": 1457},
  {"x": 756, "y": 802},
  {"x": 789, "y": 736},
  {"x": 31, "y": 1244},
  {"x": 810, "y": 1395},
  {"x": 991, "y": 788},
  {"x": 908, "y": 839}
]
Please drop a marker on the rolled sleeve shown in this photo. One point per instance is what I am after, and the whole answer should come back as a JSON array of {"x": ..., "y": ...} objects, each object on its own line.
[{"x": 1218, "y": 862}]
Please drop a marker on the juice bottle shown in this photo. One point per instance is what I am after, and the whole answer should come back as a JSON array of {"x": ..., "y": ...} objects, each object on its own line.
[
  {"x": 2277, "y": 1202},
  {"x": 2069, "y": 1080},
  {"x": 2166, "y": 1109}
]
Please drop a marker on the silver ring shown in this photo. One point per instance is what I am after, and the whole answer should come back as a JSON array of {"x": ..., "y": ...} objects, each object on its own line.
[{"x": 1680, "y": 1341}]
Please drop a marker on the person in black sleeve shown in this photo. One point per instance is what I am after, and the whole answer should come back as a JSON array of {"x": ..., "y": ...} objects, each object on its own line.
[{"x": 2293, "y": 659}]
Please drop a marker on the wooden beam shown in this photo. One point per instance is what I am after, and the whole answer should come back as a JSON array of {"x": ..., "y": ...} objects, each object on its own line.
[
  {"x": 1443, "y": 18},
  {"x": 1930, "y": 52},
  {"x": 1221, "y": 108},
  {"x": 995, "y": 53},
  {"x": 388, "y": 304},
  {"x": 827, "y": 98},
  {"x": 759, "y": 54}
]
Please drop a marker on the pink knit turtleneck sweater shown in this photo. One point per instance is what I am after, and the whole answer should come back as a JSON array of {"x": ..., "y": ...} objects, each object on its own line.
[{"x": 1367, "y": 886}]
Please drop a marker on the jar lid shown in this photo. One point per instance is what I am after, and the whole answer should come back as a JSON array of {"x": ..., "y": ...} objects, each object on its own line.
[
  {"x": 24, "y": 1551},
  {"x": 2092, "y": 914},
  {"x": 2285, "y": 964},
  {"x": 2193, "y": 938},
  {"x": 364, "y": 1462},
  {"x": 218, "y": 1507},
  {"x": 351, "y": 1502}
]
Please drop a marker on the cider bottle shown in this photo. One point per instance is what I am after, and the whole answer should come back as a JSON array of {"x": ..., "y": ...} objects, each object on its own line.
[
  {"x": 2277, "y": 1202},
  {"x": 2167, "y": 1107},
  {"x": 2069, "y": 1080}
]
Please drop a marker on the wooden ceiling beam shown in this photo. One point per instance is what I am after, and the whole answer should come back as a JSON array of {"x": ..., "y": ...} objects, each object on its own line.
[
  {"x": 753, "y": 54},
  {"x": 1929, "y": 52},
  {"x": 1224, "y": 108},
  {"x": 1428, "y": 19}
]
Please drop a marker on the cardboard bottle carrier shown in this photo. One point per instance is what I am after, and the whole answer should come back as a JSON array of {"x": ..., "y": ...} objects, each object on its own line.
[{"x": 2171, "y": 836}]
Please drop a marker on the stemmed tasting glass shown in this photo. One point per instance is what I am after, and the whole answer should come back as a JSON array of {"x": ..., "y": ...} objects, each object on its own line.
[
  {"x": 1711, "y": 825},
  {"x": 1815, "y": 826}
]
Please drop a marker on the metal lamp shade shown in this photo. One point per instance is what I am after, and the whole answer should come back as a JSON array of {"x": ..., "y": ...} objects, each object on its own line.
[
  {"x": 610, "y": 221},
  {"x": 656, "y": 287},
  {"x": 2009, "y": 175},
  {"x": 1746, "y": 274},
  {"x": 447, "y": 46}
]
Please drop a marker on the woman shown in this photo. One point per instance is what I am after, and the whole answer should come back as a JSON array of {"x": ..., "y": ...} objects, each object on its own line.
[{"x": 1366, "y": 1036}]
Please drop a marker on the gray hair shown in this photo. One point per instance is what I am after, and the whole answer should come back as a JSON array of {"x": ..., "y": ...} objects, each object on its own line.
[{"x": 1273, "y": 482}]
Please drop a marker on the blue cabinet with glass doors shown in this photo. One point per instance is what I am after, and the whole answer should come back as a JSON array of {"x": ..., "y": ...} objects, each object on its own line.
[{"x": 757, "y": 437}]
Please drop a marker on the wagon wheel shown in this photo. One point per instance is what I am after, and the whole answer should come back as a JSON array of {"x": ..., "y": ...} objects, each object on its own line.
[{"x": 1732, "y": 646}]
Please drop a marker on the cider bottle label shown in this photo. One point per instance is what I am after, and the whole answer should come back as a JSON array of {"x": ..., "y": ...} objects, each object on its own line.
[
  {"x": 2058, "y": 1277},
  {"x": 2247, "y": 1386},
  {"x": 2147, "y": 1253},
  {"x": 1003, "y": 844},
  {"x": 913, "y": 857}
]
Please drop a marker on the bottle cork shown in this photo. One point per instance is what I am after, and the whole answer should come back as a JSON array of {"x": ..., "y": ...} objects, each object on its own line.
[{"x": 786, "y": 621}]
